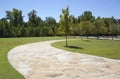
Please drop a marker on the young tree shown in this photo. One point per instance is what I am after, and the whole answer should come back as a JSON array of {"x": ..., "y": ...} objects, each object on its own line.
[{"x": 64, "y": 19}]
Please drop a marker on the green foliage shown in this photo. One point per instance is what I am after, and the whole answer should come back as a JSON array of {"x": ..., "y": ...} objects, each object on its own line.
[
  {"x": 87, "y": 16},
  {"x": 65, "y": 22},
  {"x": 34, "y": 20},
  {"x": 51, "y": 23},
  {"x": 13, "y": 25},
  {"x": 99, "y": 27},
  {"x": 15, "y": 17},
  {"x": 85, "y": 27}
]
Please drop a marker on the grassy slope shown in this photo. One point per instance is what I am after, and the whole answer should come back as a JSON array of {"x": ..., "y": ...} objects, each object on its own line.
[
  {"x": 104, "y": 48},
  {"x": 6, "y": 70}
]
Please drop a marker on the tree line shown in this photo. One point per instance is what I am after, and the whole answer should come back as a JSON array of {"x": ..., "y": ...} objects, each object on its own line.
[{"x": 13, "y": 25}]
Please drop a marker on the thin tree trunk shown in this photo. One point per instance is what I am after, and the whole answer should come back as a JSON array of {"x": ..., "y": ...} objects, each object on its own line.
[
  {"x": 103, "y": 37},
  {"x": 87, "y": 36},
  {"x": 66, "y": 41},
  {"x": 81, "y": 37},
  {"x": 97, "y": 36},
  {"x": 112, "y": 36},
  {"x": 97, "y": 33}
]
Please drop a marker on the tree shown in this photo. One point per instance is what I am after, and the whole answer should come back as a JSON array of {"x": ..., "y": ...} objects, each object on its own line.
[
  {"x": 64, "y": 21},
  {"x": 113, "y": 26},
  {"x": 118, "y": 29},
  {"x": 87, "y": 16},
  {"x": 15, "y": 22},
  {"x": 73, "y": 25},
  {"x": 33, "y": 19},
  {"x": 4, "y": 28},
  {"x": 99, "y": 27},
  {"x": 85, "y": 27},
  {"x": 15, "y": 17},
  {"x": 35, "y": 24},
  {"x": 13, "y": 25},
  {"x": 51, "y": 24},
  {"x": 86, "y": 21},
  {"x": 60, "y": 29}
]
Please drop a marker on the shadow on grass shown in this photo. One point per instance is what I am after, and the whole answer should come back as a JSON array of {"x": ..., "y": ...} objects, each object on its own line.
[
  {"x": 87, "y": 40},
  {"x": 74, "y": 47}
]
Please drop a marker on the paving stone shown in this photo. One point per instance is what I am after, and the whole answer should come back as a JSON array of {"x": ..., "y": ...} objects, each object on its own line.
[{"x": 42, "y": 61}]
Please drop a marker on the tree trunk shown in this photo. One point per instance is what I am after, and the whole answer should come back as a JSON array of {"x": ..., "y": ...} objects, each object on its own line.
[
  {"x": 81, "y": 37},
  {"x": 66, "y": 41},
  {"x": 87, "y": 36},
  {"x": 103, "y": 37},
  {"x": 112, "y": 36},
  {"x": 97, "y": 36}
]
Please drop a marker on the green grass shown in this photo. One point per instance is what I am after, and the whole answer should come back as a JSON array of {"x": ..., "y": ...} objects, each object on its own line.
[
  {"x": 103, "y": 48},
  {"x": 6, "y": 70}
]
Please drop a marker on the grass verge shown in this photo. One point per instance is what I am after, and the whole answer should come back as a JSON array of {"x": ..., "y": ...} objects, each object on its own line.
[
  {"x": 6, "y": 70},
  {"x": 103, "y": 48}
]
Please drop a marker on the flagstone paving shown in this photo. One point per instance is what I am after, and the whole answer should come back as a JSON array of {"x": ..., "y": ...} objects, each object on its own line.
[{"x": 42, "y": 61}]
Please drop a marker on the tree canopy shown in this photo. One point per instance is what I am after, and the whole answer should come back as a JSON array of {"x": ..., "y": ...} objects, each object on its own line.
[{"x": 13, "y": 25}]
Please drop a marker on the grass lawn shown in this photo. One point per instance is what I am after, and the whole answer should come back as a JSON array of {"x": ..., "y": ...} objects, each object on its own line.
[
  {"x": 104, "y": 48},
  {"x": 6, "y": 70}
]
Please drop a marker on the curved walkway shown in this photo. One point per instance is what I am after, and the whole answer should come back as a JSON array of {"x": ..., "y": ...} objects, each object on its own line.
[{"x": 42, "y": 61}]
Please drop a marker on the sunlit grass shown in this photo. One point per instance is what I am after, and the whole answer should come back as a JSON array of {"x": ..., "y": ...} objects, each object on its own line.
[
  {"x": 103, "y": 48},
  {"x": 6, "y": 70}
]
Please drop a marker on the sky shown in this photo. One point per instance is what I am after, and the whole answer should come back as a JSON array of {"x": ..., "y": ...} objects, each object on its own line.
[{"x": 53, "y": 8}]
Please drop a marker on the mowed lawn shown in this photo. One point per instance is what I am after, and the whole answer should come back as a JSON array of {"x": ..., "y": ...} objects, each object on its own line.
[
  {"x": 6, "y": 70},
  {"x": 103, "y": 48}
]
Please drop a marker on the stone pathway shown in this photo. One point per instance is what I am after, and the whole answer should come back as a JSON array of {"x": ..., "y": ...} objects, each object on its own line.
[{"x": 42, "y": 61}]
